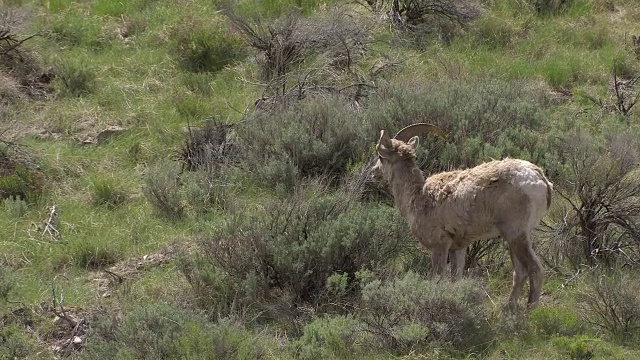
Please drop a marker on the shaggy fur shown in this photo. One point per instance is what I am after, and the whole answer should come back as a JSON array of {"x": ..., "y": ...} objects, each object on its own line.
[{"x": 449, "y": 211}]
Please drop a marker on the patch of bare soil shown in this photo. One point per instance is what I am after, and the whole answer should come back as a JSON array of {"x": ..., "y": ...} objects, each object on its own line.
[
  {"x": 132, "y": 269},
  {"x": 62, "y": 330}
]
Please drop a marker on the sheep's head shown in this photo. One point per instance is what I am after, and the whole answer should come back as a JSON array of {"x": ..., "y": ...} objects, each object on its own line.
[{"x": 401, "y": 147}]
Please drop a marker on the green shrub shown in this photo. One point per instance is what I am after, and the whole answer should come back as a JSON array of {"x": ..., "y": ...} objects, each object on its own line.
[
  {"x": 152, "y": 331},
  {"x": 208, "y": 190},
  {"x": 311, "y": 138},
  {"x": 223, "y": 340},
  {"x": 330, "y": 337},
  {"x": 77, "y": 79},
  {"x": 555, "y": 322},
  {"x": 15, "y": 207},
  {"x": 494, "y": 32},
  {"x": 107, "y": 191},
  {"x": 577, "y": 347},
  {"x": 19, "y": 181},
  {"x": 72, "y": 27},
  {"x": 160, "y": 331},
  {"x": 482, "y": 119},
  {"x": 93, "y": 254},
  {"x": 162, "y": 190},
  {"x": 414, "y": 313},
  {"x": 206, "y": 47},
  {"x": 191, "y": 107},
  {"x": 7, "y": 282},
  {"x": 15, "y": 343},
  {"x": 550, "y": 7},
  {"x": 291, "y": 248}
]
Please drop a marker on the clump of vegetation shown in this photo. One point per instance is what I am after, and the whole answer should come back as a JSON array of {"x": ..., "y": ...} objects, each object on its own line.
[
  {"x": 315, "y": 137},
  {"x": 336, "y": 337},
  {"x": 611, "y": 304},
  {"x": 107, "y": 192},
  {"x": 279, "y": 244},
  {"x": 598, "y": 183},
  {"x": 300, "y": 57},
  {"x": 414, "y": 313},
  {"x": 162, "y": 190},
  {"x": 19, "y": 175},
  {"x": 206, "y": 47},
  {"x": 548, "y": 321},
  {"x": 294, "y": 250},
  {"x": 208, "y": 147},
  {"x": 163, "y": 331},
  {"x": 77, "y": 79}
]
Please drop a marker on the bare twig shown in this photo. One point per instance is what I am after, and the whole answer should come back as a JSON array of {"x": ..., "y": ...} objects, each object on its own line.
[{"x": 50, "y": 224}]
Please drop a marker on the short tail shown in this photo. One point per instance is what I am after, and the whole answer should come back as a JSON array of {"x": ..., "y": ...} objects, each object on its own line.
[{"x": 549, "y": 186}]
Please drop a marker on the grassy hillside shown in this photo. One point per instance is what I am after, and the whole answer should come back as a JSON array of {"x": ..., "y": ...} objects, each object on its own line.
[{"x": 208, "y": 164}]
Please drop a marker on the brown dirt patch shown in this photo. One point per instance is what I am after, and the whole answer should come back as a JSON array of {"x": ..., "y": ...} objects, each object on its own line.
[
  {"x": 132, "y": 269},
  {"x": 63, "y": 331}
]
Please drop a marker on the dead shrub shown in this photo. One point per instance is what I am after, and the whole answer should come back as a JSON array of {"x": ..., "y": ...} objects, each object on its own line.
[
  {"x": 298, "y": 54},
  {"x": 611, "y": 303},
  {"x": 208, "y": 147},
  {"x": 18, "y": 63}
]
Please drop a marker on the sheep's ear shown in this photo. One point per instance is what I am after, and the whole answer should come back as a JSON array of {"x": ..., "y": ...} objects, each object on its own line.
[{"x": 413, "y": 142}]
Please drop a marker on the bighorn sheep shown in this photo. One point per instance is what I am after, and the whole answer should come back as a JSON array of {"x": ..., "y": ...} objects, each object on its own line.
[{"x": 449, "y": 211}]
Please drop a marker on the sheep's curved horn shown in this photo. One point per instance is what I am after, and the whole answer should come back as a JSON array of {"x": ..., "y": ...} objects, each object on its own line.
[{"x": 416, "y": 130}]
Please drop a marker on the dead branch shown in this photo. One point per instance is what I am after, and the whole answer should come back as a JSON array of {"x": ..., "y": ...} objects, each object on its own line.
[
  {"x": 59, "y": 301},
  {"x": 50, "y": 224}
]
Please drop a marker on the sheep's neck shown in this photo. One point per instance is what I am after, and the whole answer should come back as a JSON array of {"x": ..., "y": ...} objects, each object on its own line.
[{"x": 407, "y": 182}]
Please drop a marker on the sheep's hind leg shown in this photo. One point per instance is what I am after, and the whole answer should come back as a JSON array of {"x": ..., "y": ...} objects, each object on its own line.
[
  {"x": 523, "y": 253},
  {"x": 439, "y": 260},
  {"x": 457, "y": 258},
  {"x": 519, "y": 276}
]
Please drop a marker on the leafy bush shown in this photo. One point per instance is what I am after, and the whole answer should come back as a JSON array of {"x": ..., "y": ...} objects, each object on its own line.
[
  {"x": 15, "y": 206},
  {"x": 19, "y": 177},
  {"x": 7, "y": 282},
  {"x": 598, "y": 183},
  {"x": 16, "y": 343},
  {"x": 162, "y": 190},
  {"x": 290, "y": 249},
  {"x": 330, "y": 337},
  {"x": 208, "y": 147},
  {"x": 414, "y": 313},
  {"x": 77, "y": 79},
  {"x": 93, "y": 254},
  {"x": 482, "y": 119},
  {"x": 495, "y": 32},
  {"x": 555, "y": 322},
  {"x": 439, "y": 17},
  {"x": 107, "y": 191},
  {"x": 331, "y": 39},
  {"x": 206, "y": 47},
  {"x": 159, "y": 331},
  {"x": 312, "y": 138},
  {"x": 73, "y": 27},
  {"x": 152, "y": 331},
  {"x": 576, "y": 347},
  {"x": 550, "y": 7}
]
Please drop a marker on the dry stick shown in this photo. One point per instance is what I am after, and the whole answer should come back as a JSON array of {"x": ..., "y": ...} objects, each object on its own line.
[
  {"x": 60, "y": 301},
  {"x": 50, "y": 224},
  {"x": 16, "y": 43}
]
